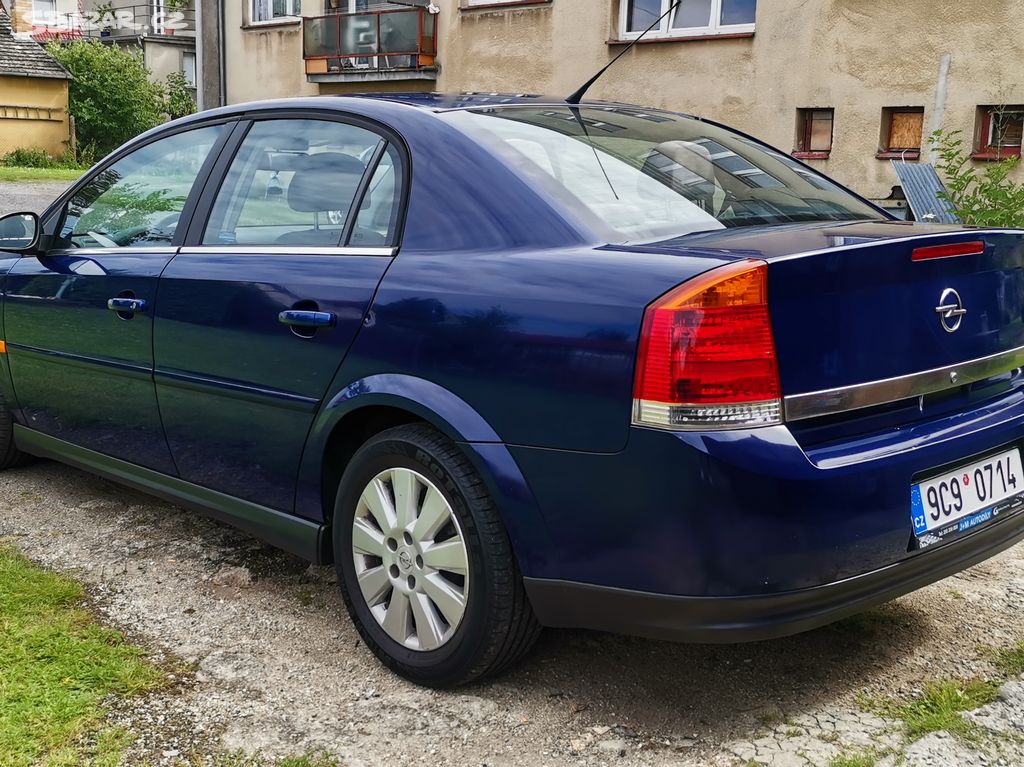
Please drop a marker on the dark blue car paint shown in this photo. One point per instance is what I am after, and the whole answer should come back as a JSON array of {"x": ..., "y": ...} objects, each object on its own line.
[
  {"x": 238, "y": 390},
  {"x": 510, "y": 328},
  {"x": 82, "y": 373}
]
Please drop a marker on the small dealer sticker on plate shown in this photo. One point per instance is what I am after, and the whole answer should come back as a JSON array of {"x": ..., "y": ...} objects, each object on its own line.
[{"x": 967, "y": 497}]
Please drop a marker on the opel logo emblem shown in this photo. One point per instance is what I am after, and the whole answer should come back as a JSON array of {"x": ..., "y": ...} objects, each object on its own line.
[
  {"x": 405, "y": 560},
  {"x": 950, "y": 310}
]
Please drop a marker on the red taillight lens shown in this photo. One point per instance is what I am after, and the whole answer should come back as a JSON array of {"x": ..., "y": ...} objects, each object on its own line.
[
  {"x": 948, "y": 251},
  {"x": 707, "y": 354}
]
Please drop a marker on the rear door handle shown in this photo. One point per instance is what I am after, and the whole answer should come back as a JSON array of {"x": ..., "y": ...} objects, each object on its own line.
[
  {"x": 307, "y": 319},
  {"x": 126, "y": 305}
]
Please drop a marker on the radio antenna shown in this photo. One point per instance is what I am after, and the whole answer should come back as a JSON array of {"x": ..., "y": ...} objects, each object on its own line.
[{"x": 576, "y": 97}]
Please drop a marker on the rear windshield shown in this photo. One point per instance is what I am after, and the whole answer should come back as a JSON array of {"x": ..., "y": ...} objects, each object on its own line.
[{"x": 651, "y": 176}]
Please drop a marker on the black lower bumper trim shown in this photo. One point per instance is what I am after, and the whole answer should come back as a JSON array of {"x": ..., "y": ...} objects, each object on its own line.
[{"x": 566, "y": 604}]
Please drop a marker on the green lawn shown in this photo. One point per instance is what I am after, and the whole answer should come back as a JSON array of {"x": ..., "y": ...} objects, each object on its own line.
[
  {"x": 39, "y": 174},
  {"x": 56, "y": 665}
]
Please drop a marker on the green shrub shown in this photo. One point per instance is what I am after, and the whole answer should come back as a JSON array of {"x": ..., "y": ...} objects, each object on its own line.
[
  {"x": 980, "y": 198},
  {"x": 37, "y": 158},
  {"x": 178, "y": 98},
  {"x": 29, "y": 158},
  {"x": 110, "y": 94}
]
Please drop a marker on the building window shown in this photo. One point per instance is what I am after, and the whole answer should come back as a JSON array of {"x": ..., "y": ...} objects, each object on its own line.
[
  {"x": 264, "y": 11},
  {"x": 691, "y": 18},
  {"x": 1001, "y": 133},
  {"x": 902, "y": 132},
  {"x": 44, "y": 12},
  {"x": 814, "y": 133},
  {"x": 188, "y": 68}
]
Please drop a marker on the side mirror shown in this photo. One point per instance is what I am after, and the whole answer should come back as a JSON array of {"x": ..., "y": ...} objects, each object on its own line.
[{"x": 19, "y": 232}]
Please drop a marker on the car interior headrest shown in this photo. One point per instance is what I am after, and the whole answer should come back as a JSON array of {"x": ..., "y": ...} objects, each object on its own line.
[{"x": 325, "y": 181}]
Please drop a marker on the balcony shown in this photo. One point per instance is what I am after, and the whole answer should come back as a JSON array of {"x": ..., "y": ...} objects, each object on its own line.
[
  {"x": 371, "y": 46},
  {"x": 119, "y": 24}
]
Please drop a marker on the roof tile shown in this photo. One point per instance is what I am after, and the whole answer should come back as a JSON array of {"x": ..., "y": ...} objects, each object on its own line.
[{"x": 25, "y": 58}]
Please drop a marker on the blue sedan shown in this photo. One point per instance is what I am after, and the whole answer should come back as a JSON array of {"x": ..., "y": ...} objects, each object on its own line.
[{"x": 511, "y": 362}]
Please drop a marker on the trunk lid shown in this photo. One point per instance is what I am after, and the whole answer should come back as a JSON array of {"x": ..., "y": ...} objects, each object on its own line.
[
  {"x": 864, "y": 310},
  {"x": 850, "y": 305}
]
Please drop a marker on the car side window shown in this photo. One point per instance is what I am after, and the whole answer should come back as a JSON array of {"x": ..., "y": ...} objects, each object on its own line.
[
  {"x": 293, "y": 183},
  {"x": 377, "y": 221},
  {"x": 138, "y": 201}
]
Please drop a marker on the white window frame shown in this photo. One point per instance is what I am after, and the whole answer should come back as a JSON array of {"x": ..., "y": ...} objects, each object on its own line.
[
  {"x": 715, "y": 29},
  {"x": 45, "y": 17},
  {"x": 289, "y": 18}
]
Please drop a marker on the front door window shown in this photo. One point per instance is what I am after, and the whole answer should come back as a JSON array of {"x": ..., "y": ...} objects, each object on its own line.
[{"x": 138, "y": 201}]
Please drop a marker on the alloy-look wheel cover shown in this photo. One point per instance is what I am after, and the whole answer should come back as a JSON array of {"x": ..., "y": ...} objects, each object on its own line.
[{"x": 410, "y": 559}]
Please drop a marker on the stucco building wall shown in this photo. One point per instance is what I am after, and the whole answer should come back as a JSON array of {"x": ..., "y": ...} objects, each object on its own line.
[
  {"x": 264, "y": 61},
  {"x": 164, "y": 58},
  {"x": 30, "y": 129}
]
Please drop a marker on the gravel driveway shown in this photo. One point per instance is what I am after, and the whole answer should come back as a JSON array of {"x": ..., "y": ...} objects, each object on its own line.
[
  {"x": 278, "y": 667},
  {"x": 29, "y": 195},
  {"x": 275, "y": 666}
]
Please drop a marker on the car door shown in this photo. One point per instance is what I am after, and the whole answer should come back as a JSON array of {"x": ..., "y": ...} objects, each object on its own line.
[
  {"x": 257, "y": 311},
  {"x": 78, "y": 319}
]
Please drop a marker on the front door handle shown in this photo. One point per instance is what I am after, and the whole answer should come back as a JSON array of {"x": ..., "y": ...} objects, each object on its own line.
[
  {"x": 298, "y": 318},
  {"x": 126, "y": 305}
]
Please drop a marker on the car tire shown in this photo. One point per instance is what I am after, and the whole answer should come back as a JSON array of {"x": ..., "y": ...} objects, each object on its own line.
[
  {"x": 394, "y": 573},
  {"x": 10, "y": 456}
]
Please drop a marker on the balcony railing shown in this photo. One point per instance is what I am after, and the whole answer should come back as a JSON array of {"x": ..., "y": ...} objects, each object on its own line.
[
  {"x": 130, "y": 21},
  {"x": 375, "y": 41}
]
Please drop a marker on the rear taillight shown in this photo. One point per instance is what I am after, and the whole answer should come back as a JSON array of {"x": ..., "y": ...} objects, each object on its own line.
[{"x": 707, "y": 354}]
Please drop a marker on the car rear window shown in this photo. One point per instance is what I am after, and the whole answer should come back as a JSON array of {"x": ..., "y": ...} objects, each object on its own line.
[{"x": 650, "y": 176}]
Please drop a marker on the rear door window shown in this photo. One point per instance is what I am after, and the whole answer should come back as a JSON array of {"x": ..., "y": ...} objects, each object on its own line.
[{"x": 294, "y": 183}]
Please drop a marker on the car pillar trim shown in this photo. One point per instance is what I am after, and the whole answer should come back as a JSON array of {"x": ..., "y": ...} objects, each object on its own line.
[{"x": 858, "y": 396}]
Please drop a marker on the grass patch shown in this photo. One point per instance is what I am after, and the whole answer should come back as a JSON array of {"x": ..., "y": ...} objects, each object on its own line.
[
  {"x": 1011, "y": 662},
  {"x": 858, "y": 759},
  {"x": 56, "y": 666},
  {"x": 940, "y": 706},
  {"x": 39, "y": 174}
]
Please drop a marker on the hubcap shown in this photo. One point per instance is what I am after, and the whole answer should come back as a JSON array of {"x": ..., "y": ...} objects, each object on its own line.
[{"x": 411, "y": 560}]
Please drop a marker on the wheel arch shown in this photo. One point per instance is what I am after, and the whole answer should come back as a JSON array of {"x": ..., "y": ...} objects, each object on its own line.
[{"x": 373, "y": 404}]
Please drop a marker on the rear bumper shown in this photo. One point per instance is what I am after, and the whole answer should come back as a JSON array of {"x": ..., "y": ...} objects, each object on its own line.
[{"x": 565, "y": 604}]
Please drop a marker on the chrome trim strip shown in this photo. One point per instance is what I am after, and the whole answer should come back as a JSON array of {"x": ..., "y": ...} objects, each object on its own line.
[
  {"x": 974, "y": 233},
  {"x": 290, "y": 250},
  {"x": 843, "y": 399}
]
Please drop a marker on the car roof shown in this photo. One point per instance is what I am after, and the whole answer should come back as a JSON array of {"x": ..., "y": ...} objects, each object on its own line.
[
  {"x": 444, "y": 102},
  {"x": 424, "y": 102}
]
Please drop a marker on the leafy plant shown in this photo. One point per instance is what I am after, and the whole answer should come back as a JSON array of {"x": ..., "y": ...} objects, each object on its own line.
[
  {"x": 178, "y": 98},
  {"x": 110, "y": 94},
  {"x": 36, "y": 158},
  {"x": 987, "y": 197}
]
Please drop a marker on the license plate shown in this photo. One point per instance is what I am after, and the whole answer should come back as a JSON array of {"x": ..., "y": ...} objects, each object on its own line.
[{"x": 967, "y": 497}]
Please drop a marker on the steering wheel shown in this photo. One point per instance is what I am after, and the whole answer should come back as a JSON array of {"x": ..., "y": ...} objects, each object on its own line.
[{"x": 167, "y": 224}]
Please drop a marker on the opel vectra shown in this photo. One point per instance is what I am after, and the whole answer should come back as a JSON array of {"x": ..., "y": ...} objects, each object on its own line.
[{"x": 511, "y": 362}]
